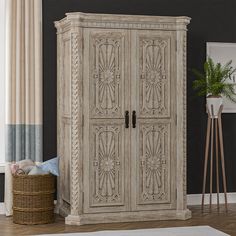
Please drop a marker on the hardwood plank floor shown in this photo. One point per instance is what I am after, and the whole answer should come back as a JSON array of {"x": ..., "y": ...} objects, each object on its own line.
[{"x": 221, "y": 220}]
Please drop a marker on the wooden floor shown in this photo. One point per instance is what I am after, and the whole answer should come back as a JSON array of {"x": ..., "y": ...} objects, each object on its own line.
[{"x": 221, "y": 220}]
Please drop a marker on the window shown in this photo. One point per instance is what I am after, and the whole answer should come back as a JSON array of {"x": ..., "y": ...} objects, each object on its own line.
[{"x": 2, "y": 81}]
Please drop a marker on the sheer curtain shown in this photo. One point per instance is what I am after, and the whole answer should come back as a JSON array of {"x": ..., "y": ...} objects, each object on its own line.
[
  {"x": 23, "y": 86},
  {"x": 2, "y": 79}
]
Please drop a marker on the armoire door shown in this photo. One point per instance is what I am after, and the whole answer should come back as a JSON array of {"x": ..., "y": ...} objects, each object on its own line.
[
  {"x": 153, "y": 101},
  {"x": 106, "y": 137}
]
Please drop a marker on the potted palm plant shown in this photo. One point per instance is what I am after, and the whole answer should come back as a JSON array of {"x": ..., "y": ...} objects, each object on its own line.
[{"x": 215, "y": 83}]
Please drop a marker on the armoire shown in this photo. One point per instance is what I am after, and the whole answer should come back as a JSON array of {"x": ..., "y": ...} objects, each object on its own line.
[{"x": 121, "y": 117}]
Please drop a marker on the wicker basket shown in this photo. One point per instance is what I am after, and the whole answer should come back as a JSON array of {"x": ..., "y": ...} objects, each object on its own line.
[{"x": 33, "y": 199}]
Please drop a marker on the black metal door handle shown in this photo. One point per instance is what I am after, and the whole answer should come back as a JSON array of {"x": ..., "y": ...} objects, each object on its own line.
[
  {"x": 134, "y": 119},
  {"x": 126, "y": 119}
]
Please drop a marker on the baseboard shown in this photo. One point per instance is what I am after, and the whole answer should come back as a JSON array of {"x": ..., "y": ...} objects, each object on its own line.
[
  {"x": 2, "y": 208},
  {"x": 192, "y": 199},
  {"x": 196, "y": 199}
]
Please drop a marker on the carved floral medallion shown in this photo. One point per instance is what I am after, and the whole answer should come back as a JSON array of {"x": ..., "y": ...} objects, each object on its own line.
[
  {"x": 154, "y": 81},
  {"x": 106, "y": 69},
  {"x": 107, "y": 180},
  {"x": 153, "y": 177}
]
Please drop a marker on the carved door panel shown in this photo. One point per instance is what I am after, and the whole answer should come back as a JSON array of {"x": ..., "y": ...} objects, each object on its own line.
[
  {"x": 106, "y": 140},
  {"x": 152, "y": 148}
]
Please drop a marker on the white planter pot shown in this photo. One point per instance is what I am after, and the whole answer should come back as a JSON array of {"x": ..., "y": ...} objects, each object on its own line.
[{"x": 213, "y": 104}]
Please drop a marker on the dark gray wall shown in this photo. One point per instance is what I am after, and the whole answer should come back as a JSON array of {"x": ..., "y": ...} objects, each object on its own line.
[{"x": 212, "y": 20}]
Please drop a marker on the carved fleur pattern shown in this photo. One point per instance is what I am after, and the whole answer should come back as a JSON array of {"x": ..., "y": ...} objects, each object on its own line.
[
  {"x": 106, "y": 166},
  {"x": 153, "y": 73},
  {"x": 106, "y": 73},
  {"x": 153, "y": 163},
  {"x": 106, "y": 154}
]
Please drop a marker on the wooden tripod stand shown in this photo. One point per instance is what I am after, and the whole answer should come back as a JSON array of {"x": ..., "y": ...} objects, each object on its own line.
[{"x": 214, "y": 122}]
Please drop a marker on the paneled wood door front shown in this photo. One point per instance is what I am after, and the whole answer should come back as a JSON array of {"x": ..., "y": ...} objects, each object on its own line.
[
  {"x": 106, "y": 139},
  {"x": 129, "y": 168},
  {"x": 153, "y": 137}
]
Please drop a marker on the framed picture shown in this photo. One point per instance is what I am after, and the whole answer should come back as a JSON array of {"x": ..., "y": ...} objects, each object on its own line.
[{"x": 224, "y": 52}]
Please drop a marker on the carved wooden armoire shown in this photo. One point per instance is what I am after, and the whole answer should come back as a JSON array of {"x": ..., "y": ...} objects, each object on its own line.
[{"x": 121, "y": 84}]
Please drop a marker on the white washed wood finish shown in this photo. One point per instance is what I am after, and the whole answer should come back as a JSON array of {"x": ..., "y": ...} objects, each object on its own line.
[{"x": 109, "y": 64}]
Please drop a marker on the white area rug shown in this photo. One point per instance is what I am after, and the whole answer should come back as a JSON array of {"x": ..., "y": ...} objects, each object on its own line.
[{"x": 177, "y": 231}]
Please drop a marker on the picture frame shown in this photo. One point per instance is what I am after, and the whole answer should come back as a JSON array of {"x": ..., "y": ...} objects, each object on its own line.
[{"x": 222, "y": 53}]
